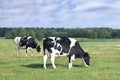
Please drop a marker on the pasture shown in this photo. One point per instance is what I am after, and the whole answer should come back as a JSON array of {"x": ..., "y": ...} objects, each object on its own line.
[{"x": 104, "y": 64}]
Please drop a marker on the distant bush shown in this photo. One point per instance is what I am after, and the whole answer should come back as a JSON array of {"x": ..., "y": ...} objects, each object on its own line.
[{"x": 39, "y": 33}]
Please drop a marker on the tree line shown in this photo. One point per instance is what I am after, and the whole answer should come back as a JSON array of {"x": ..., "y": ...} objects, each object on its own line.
[{"x": 39, "y": 33}]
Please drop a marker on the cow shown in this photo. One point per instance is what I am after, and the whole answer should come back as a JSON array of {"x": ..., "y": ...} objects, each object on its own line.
[
  {"x": 26, "y": 42},
  {"x": 64, "y": 46}
]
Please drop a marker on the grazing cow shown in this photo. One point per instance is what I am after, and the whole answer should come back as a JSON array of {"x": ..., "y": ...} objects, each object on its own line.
[
  {"x": 64, "y": 46},
  {"x": 26, "y": 42}
]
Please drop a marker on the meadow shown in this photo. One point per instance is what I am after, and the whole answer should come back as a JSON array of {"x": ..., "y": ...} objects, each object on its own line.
[{"x": 104, "y": 64}]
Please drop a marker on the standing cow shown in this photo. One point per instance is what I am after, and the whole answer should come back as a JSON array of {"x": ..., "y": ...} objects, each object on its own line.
[
  {"x": 64, "y": 46},
  {"x": 26, "y": 42}
]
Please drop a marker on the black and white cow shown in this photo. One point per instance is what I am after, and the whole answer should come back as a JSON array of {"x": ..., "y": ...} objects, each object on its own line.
[
  {"x": 26, "y": 42},
  {"x": 64, "y": 46}
]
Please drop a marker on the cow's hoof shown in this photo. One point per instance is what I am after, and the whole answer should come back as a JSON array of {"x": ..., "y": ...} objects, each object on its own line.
[
  {"x": 55, "y": 68},
  {"x": 69, "y": 68},
  {"x": 86, "y": 66},
  {"x": 45, "y": 67}
]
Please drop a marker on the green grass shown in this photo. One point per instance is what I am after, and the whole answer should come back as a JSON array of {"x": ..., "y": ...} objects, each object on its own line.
[{"x": 105, "y": 63}]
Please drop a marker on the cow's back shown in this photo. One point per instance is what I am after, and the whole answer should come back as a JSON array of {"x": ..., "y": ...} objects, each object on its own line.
[
  {"x": 31, "y": 43},
  {"x": 65, "y": 43}
]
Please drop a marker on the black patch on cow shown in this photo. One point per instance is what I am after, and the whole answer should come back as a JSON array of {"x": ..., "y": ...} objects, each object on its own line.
[
  {"x": 31, "y": 43},
  {"x": 77, "y": 51},
  {"x": 65, "y": 43},
  {"x": 86, "y": 58},
  {"x": 57, "y": 47},
  {"x": 47, "y": 44},
  {"x": 23, "y": 41}
]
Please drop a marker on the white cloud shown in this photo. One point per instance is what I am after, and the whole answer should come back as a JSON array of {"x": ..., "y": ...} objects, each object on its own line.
[
  {"x": 48, "y": 8},
  {"x": 61, "y": 12},
  {"x": 89, "y": 5},
  {"x": 13, "y": 11}
]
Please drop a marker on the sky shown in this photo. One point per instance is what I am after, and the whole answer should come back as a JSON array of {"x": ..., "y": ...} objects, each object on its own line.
[{"x": 60, "y": 13}]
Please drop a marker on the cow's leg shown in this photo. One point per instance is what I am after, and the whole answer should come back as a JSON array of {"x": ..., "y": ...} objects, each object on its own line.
[
  {"x": 26, "y": 53},
  {"x": 84, "y": 62},
  {"x": 31, "y": 51},
  {"x": 70, "y": 63},
  {"x": 53, "y": 60},
  {"x": 45, "y": 60},
  {"x": 71, "y": 58},
  {"x": 27, "y": 49}
]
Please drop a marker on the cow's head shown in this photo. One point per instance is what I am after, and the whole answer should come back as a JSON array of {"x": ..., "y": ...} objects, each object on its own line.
[
  {"x": 38, "y": 48},
  {"x": 87, "y": 58}
]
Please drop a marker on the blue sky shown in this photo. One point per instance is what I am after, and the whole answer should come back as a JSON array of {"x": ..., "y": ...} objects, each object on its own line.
[{"x": 60, "y": 13}]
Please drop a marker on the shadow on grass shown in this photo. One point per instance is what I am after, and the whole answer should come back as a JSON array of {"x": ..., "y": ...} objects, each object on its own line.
[
  {"x": 78, "y": 66},
  {"x": 35, "y": 66}
]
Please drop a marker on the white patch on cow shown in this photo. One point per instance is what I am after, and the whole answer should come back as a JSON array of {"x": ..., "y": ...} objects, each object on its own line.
[
  {"x": 45, "y": 60},
  {"x": 69, "y": 65},
  {"x": 59, "y": 45},
  {"x": 58, "y": 38},
  {"x": 29, "y": 37},
  {"x": 53, "y": 38},
  {"x": 55, "y": 50},
  {"x": 72, "y": 57},
  {"x": 53, "y": 60},
  {"x": 84, "y": 62},
  {"x": 46, "y": 51},
  {"x": 64, "y": 54},
  {"x": 73, "y": 41},
  {"x": 17, "y": 41}
]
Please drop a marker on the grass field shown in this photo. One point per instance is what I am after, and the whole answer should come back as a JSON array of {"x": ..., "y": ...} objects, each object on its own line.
[{"x": 105, "y": 63}]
